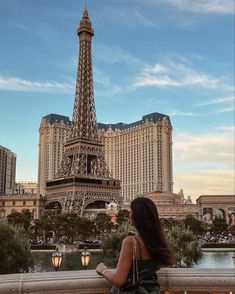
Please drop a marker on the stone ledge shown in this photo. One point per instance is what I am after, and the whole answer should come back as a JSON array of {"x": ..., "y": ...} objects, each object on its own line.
[{"x": 88, "y": 282}]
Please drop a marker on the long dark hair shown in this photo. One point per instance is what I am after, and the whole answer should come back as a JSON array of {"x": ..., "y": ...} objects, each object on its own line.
[{"x": 146, "y": 220}]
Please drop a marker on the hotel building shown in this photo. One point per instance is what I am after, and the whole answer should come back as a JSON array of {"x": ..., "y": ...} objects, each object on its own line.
[
  {"x": 139, "y": 154},
  {"x": 7, "y": 171},
  {"x": 53, "y": 133}
]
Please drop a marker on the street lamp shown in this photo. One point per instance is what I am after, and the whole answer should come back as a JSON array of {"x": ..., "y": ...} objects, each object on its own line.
[
  {"x": 233, "y": 257},
  {"x": 56, "y": 259},
  {"x": 85, "y": 258}
]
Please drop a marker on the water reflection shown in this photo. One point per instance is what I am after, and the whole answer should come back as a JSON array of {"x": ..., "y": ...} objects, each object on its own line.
[
  {"x": 72, "y": 261},
  {"x": 217, "y": 259}
]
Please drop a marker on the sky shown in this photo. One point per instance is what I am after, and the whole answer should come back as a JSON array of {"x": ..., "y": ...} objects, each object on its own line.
[{"x": 170, "y": 56}]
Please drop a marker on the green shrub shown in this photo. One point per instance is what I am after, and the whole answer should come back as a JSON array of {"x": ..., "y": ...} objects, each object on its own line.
[
  {"x": 112, "y": 244},
  {"x": 15, "y": 255},
  {"x": 185, "y": 245}
]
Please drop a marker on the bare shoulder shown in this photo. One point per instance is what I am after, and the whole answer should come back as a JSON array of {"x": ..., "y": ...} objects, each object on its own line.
[{"x": 128, "y": 241}]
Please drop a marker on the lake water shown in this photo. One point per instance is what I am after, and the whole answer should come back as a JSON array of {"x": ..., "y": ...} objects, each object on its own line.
[{"x": 72, "y": 261}]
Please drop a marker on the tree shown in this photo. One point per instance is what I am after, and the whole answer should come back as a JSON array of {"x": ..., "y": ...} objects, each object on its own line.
[
  {"x": 103, "y": 223},
  {"x": 44, "y": 227},
  {"x": 232, "y": 230},
  {"x": 15, "y": 252},
  {"x": 219, "y": 226},
  {"x": 196, "y": 226},
  {"x": 169, "y": 223},
  {"x": 20, "y": 218},
  {"x": 123, "y": 216},
  {"x": 185, "y": 246},
  {"x": 112, "y": 244},
  {"x": 86, "y": 228}
]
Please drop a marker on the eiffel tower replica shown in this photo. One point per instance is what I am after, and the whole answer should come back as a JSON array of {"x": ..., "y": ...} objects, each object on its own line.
[{"x": 83, "y": 178}]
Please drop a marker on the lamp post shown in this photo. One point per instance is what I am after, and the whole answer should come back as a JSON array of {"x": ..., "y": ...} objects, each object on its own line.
[
  {"x": 85, "y": 258},
  {"x": 56, "y": 259}
]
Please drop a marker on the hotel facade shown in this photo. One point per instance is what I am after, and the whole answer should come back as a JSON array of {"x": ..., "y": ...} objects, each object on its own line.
[
  {"x": 53, "y": 133},
  {"x": 139, "y": 154}
]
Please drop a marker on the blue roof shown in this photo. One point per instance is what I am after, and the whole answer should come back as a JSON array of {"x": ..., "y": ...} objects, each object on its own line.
[
  {"x": 154, "y": 117},
  {"x": 57, "y": 118}
]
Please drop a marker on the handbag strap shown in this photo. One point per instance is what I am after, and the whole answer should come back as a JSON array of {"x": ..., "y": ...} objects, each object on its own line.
[{"x": 135, "y": 262}]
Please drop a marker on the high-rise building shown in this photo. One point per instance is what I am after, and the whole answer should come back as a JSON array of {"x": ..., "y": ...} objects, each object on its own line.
[
  {"x": 53, "y": 133},
  {"x": 7, "y": 171},
  {"x": 83, "y": 180},
  {"x": 140, "y": 154}
]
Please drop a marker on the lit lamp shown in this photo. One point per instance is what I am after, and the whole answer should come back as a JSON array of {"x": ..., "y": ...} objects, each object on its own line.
[
  {"x": 233, "y": 257},
  {"x": 85, "y": 258},
  {"x": 56, "y": 259}
]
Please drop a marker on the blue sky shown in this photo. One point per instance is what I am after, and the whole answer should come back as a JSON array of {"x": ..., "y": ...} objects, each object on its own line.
[{"x": 170, "y": 56}]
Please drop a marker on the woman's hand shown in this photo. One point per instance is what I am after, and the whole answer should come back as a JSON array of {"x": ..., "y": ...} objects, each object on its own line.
[{"x": 100, "y": 268}]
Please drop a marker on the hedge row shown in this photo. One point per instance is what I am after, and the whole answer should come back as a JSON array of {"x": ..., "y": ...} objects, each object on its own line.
[
  {"x": 218, "y": 245},
  {"x": 43, "y": 247}
]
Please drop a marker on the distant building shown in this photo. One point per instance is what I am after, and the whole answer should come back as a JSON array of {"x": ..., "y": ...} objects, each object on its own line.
[
  {"x": 210, "y": 206},
  {"x": 173, "y": 205},
  {"x": 26, "y": 187},
  {"x": 140, "y": 154},
  {"x": 18, "y": 203},
  {"x": 7, "y": 171},
  {"x": 53, "y": 133}
]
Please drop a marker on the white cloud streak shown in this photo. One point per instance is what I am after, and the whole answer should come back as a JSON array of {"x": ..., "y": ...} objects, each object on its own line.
[
  {"x": 204, "y": 6},
  {"x": 10, "y": 83},
  {"x": 217, "y": 101},
  {"x": 213, "y": 147},
  {"x": 174, "y": 74},
  {"x": 115, "y": 55},
  {"x": 103, "y": 80}
]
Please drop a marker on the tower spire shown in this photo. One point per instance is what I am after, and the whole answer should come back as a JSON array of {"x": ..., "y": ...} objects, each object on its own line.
[
  {"x": 84, "y": 153},
  {"x": 84, "y": 124}
]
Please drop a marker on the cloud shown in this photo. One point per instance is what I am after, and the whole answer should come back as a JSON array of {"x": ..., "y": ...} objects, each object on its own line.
[
  {"x": 217, "y": 147},
  {"x": 204, "y": 6},
  {"x": 10, "y": 83},
  {"x": 173, "y": 74},
  {"x": 204, "y": 163},
  {"x": 141, "y": 19},
  {"x": 223, "y": 110},
  {"x": 217, "y": 101},
  {"x": 196, "y": 182},
  {"x": 109, "y": 89},
  {"x": 226, "y": 128},
  {"x": 130, "y": 16},
  {"x": 115, "y": 55},
  {"x": 180, "y": 113},
  {"x": 42, "y": 30}
]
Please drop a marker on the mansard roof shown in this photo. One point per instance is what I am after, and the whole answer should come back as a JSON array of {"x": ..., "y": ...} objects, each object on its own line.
[
  {"x": 53, "y": 118},
  {"x": 154, "y": 117}
]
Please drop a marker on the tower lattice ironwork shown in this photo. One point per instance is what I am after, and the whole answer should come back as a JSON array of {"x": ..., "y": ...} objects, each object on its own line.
[
  {"x": 83, "y": 174},
  {"x": 84, "y": 153}
]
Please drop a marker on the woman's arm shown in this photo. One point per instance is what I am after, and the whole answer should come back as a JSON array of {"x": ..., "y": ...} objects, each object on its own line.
[{"x": 119, "y": 277}]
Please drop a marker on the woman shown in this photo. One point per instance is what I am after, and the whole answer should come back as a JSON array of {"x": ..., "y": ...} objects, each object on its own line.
[{"x": 152, "y": 251}]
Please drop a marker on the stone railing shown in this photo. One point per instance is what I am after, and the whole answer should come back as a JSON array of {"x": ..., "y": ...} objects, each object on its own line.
[{"x": 88, "y": 282}]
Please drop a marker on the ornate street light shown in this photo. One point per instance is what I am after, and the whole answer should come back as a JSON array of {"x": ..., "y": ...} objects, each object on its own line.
[
  {"x": 233, "y": 257},
  {"x": 56, "y": 259},
  {"x": 85, "y": 258}
]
